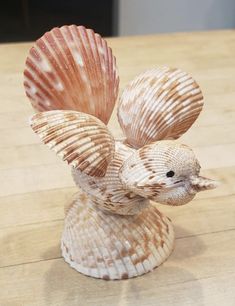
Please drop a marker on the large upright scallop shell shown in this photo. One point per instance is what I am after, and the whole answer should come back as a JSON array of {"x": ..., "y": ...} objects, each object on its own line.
[
  {"x": 72, "y": 68},
  {"x": 80, "y": 139},
  {"x": 159, "y": 104}
]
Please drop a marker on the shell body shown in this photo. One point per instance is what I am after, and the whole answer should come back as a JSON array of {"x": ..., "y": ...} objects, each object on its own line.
[
  {"x": 159, "y": 104},
  {"x": 109, "y": 246},
  {"x": 72, "y": 68},
  {"x": 107, "y": 193}
]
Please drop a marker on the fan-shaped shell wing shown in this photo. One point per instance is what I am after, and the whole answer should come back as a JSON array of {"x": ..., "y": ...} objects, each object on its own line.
[
  {"x": 159, "y": 104},
  {"x": 72, "y": 68},
  {"x": 80, "y": 139}
]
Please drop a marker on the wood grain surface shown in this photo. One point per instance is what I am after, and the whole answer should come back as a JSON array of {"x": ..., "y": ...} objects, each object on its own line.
[{"x": 35, "y": 186}]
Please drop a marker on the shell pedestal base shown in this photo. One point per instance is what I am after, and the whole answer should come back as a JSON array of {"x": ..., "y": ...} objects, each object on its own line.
[{"x": 109, "y": 246}]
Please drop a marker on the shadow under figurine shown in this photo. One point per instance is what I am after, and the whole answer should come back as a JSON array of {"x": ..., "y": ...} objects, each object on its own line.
[{"x": 112, "y": 230}]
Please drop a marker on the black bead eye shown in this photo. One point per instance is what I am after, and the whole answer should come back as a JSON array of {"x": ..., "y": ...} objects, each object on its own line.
[{"x": 170, "y": 173}]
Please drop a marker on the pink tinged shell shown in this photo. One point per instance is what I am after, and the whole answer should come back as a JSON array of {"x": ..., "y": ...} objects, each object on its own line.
[
  {"x": 80, "y": 139},
  {"x": 109, "y": 246},
  {"x": 72, "y": 68},
  {"x": 159, "y": 104}
]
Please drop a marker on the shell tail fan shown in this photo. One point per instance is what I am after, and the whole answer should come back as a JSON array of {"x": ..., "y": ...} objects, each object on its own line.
[{"x": 72, "y": 68}]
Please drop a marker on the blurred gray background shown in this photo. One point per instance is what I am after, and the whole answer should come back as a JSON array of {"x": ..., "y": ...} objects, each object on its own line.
[
  {"x": 22, "y": 20},
  {"x": 156, "y": 16}
]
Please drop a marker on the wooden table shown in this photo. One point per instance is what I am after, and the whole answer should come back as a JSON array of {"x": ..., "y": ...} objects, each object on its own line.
[{"x": 35, "y": 185}]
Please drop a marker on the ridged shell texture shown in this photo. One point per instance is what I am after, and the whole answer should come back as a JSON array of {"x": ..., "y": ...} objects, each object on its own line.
[
  {"x": 72, "y": 68},
  {"x": 159, "y": 104},
  {"x": 109, "y": 246},
  {"x": 80, "y": 139}
]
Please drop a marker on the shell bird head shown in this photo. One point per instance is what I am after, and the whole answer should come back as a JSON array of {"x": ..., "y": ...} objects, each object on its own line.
[{"x": 165, "y": 172}]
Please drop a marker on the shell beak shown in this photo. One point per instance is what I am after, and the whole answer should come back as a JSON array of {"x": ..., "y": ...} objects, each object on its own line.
[{"x": 200, "y": 183}]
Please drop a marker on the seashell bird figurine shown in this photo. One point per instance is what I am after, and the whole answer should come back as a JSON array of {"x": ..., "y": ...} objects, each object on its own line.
[{"x": 112, "y": 229}]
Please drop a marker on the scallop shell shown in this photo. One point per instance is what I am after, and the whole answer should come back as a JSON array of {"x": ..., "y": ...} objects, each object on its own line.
[
  {"x": 111, "y": 247},
  {"x": 80, "y": 139},
  {"x": 107, "y": 192},
  {"x": 72, "y": 68},
  {"x": 159, "y": 104}
]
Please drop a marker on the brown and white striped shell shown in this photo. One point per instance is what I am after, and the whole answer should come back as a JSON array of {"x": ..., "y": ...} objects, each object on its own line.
[
  {"x": 72, "y": 68},
  {"x": 107, "y": 192},
  {"x": 110, "y": 246},
  {"x": 164, "y": 171},
  {"x": 80, "y": 139},
  {"x": 159, "y": 104}
]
